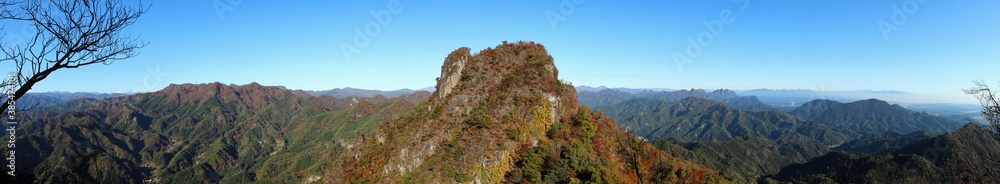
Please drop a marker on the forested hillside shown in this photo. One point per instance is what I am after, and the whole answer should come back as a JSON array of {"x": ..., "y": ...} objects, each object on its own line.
[
  {"x": 698, "y": 119},
  {"x": 872, "y": 116},
  {"x": 199, "y": 133},
  {"x": 969, "y": 155}
]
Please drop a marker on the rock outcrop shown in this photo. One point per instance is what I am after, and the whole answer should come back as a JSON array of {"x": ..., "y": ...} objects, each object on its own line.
[
  {"x": 499, "y": 116},
  {"x": 451, "y": 71}
]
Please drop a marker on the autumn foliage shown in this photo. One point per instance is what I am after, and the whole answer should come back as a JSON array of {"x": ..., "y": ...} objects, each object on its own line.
[{"x": 509, "y": 119}]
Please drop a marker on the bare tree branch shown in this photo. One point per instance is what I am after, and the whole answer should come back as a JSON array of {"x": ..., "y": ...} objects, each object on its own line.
[
  {"x": 68, "y": 34},
  {"x": 990, "y": 102}
]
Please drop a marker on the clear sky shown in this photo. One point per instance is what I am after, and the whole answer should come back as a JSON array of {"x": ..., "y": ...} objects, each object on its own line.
[{"x": 933, "y": 47}]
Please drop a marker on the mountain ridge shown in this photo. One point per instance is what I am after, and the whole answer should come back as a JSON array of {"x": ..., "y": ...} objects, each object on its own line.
[
  {"x": 365, "y": 93},
  {"x": 191, "y": 133},
  {"x": 872, "y": 116},
  {"x": 607, "y": 97},
  {"x": 502, "y": 115},
  {"x": 698, "y": 119}
]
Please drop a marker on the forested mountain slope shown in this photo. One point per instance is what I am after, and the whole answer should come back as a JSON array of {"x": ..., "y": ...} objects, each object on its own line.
[
  {"x": 872, "y": 116},
  {"x": 197, "y": 134}
]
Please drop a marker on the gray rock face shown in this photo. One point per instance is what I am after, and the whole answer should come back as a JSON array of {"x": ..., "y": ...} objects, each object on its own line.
[{"x": 451, "y": 72}]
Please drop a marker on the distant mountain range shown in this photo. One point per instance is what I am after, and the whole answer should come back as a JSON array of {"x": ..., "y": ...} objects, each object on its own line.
[
  {"x": 627, "y": 90},
  {"x": 364, "y": 93},
  {"x": 770, "y": 96},
  {"x": 699, "y": 119},
  {"x": 44, "y": 99},
  {"x": 872, "y": 116},
  {"x": 795, "y": 97},
  {"x": 717, "y": 135},
  {"x": 768, "y": 99},
  {"x": 611, "y": 96},
  {"x": 51, "y": 98}
]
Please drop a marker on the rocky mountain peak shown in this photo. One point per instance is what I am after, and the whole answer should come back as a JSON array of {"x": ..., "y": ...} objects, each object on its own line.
[
  {"x": 494, "y": 114},
  {"x": 505, "y": 73},
  {"x": 509, "y": 62},
  {"x": 451, "y": 71}
]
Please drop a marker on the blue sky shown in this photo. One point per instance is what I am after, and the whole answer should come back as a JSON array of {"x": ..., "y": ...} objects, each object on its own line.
[{"x": 825, "y": 45}]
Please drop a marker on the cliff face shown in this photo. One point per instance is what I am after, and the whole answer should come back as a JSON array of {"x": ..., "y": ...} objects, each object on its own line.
[
  {"x": 502, "y": 115},
  {"x": 451, "y": 71}
]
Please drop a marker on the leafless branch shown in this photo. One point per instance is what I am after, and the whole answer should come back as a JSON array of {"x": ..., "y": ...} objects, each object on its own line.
[
  {"x": 990, "y": 102},
  {"x": 68, "y": 34}
]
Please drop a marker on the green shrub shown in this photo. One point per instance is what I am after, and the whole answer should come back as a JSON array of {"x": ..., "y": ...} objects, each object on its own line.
[
  {"x": 479, "y": 121},
  {"x": 531, "y": 165}
]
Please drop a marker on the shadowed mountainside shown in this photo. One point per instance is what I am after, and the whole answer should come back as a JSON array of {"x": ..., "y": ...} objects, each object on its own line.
[{"x": 969, "y": 155}]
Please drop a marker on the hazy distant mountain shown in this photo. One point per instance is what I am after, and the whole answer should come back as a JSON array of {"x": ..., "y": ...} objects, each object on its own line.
[
  {"x": 429, "y": 89},
  {"x": 787, "y": 99},
  {"x": 363, "y": 93},
  {"x": 872, "y": 116},
  {"x": 45, "y": 99},
  {"x": 590, "y": 89},
  {"x": 604, "y": 97},
  {"x": 945, "y": 109},
  {"x": 627, "y": 90},
  {"x": 748, "y": 103},
  {"x": 612, "y": 96},
  {"x": 791, "y": 98},
  {"x": 676, "y": 96}
]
